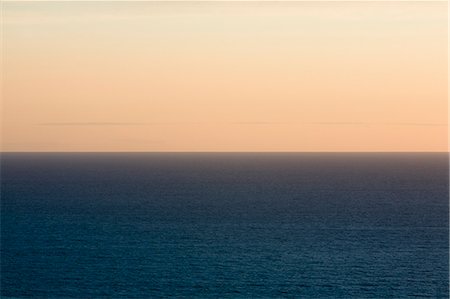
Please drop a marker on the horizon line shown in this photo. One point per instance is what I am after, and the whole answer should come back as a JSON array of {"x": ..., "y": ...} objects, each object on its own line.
[
  {"x": 229, "y": 1},
  {"x": 223, "y": 152}
]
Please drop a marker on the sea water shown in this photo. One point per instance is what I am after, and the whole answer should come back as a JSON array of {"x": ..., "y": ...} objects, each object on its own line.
[{"x": 242, "y": 225}]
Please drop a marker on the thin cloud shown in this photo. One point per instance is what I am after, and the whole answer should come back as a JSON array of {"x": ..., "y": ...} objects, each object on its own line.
[
  {"x": 377, "y": 124},
  {"x": 339, "y": 123},
  {"x": 74, "y": 124},
  {"x": 259, "y": 123},
  {"x": 418, "y": 124},
  {"x": 112, "y": 124},
  {"x": 245, "y": 123}
]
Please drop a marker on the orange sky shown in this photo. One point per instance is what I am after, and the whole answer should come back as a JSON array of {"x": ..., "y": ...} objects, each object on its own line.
[{"x": 217, "y": 76}]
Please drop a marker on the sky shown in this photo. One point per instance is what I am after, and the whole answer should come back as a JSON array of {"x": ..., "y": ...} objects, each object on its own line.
[{"x": 224, "y": 76}]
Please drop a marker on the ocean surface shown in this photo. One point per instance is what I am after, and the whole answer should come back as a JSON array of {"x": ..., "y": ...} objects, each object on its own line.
[{"x": 360, "y": 225}]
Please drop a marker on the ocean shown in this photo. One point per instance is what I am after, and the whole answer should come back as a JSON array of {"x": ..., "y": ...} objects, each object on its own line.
[{"x": 224, "y": 225}]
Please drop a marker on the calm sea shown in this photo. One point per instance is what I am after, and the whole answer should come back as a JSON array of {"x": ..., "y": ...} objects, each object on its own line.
[{"x": 224, "y": 225}]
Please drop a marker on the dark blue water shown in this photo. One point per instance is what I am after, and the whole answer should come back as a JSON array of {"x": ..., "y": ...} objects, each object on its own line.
[{"x": 224, "y": 225}]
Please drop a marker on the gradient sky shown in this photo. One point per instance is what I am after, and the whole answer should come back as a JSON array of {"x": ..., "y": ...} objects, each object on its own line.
[{"x": 224, "y": 76}]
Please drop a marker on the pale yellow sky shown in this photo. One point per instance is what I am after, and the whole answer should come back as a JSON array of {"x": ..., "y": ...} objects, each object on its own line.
[{"x": 224, "y": 76}]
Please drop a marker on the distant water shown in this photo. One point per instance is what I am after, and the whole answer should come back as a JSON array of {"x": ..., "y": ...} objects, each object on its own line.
[{"x": 224, "y": 225}]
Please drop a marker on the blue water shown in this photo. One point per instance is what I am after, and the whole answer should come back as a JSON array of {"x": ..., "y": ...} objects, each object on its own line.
[{"x": 224, "y": 225}]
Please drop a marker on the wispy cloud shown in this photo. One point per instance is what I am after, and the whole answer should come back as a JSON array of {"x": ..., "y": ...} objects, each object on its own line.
[
  {"x": 112, "y": 124},
  {"x": 74, "y": 124},
  {"x": 243, "y": 123},
  {"x": 342, "y": 123},
  {"x": 259, "y": 123},
  {"x": 92, "y": 123},
  {"x": 378, "y": 124}
]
